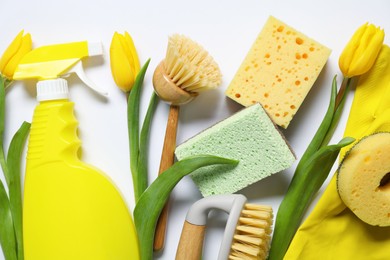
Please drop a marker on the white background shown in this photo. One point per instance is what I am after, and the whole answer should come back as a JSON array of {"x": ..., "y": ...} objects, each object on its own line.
[{"x": 226, "y": 29}]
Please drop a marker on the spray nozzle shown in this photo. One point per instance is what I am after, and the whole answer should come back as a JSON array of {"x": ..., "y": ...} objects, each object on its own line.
[{"x": 51, "y": 62}]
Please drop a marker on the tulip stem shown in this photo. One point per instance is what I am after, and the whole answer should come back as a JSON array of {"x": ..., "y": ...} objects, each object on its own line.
[
  {"x": 345, "y": 85},
  {"x": 338, "y": 109},
  {"x": 139, "y": 140},
  {"x": 144, "y": 142},
  {"x": 2, "y": 126},
  {"x": 7, "y": 83},
  {"x": 133, "y": 110},
  {"x": 7, "y": 231}
]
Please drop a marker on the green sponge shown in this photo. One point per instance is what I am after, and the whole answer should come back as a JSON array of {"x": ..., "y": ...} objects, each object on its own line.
[{"x": 248, "y": 136}]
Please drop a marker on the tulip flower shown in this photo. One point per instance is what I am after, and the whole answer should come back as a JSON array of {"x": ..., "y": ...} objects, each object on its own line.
[
  {"x": 129, "y": 77},
  {"x": 360, "y": 53},
  {"x": 14, "y": 53},
  {"x": 124, "y": 61}
]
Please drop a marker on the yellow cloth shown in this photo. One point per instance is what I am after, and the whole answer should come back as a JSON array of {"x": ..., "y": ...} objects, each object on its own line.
[{"x": 332, "y": 231}]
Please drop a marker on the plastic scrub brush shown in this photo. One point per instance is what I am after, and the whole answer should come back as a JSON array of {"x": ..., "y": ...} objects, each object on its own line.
[
  {"x": 186, "y": 70},
  {"x": 247, "y": 233}
]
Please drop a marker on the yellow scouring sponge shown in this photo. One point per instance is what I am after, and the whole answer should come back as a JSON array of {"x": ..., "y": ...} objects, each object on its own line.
[{"x": 278, "y": 71}]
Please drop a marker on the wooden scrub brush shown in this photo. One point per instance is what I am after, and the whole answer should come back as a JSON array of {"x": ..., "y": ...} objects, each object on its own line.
[
  {"x": 186, "y": 71},
  {"x": 247, "y": 234}
]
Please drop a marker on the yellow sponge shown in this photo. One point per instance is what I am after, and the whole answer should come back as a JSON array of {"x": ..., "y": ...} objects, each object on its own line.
[
  {"x": 363, "y": 179},
  {"x": 278, "y": 71}
]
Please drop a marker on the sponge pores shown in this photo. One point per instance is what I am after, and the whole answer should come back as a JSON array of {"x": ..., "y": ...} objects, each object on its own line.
[{"x": 278, "y": 71}]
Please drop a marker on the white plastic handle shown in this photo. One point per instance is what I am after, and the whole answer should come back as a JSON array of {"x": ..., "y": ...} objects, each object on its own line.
[
  {"x": 232, "y": 204},
  {"x": 78, "y": 69}
]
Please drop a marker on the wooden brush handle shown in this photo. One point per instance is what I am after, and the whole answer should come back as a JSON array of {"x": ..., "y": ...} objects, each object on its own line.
[
  {"x": 191, "y": 242},
  {"x": 167, "y": 159}
]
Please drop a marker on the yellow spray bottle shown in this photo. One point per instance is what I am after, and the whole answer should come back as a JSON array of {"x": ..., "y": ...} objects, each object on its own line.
[{"x": 71, "y": 209}]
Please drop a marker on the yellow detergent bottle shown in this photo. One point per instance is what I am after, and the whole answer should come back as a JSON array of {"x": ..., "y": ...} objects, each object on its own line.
[{"x": 71, "y": 209}]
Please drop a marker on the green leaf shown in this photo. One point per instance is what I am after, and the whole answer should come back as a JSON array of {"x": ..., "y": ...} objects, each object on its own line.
[
  {"x": 151, "y": 202},
  {"x": 143, "y": 145},
  {"x": 340, "y": 102},
  {"x": 321, "y": 133},
  {"x": 2, "y": 107},
  {"x": 300, "y": 193},
  {"x": 15, "y": 190},
  {"x": 7, "y": 233},
  {"x": 2, "y": 123},
  {"x": 133, "y": 108}
]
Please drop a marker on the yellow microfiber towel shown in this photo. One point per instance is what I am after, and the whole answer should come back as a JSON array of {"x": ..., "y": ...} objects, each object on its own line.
[{"x": 332, "y": 231}]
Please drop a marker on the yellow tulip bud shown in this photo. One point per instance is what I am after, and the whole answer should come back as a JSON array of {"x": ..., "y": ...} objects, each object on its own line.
[
  {"x": 14, "y": 53},
  {"x": 362, "y": 50},
  {"x": 124, "y": 61}
]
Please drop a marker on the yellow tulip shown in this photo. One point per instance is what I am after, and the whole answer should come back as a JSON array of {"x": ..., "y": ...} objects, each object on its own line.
[
  {"x": 362, "y": 50},
  {"x": 14, "y": 53},
  {"x": 124, "y": 61}
]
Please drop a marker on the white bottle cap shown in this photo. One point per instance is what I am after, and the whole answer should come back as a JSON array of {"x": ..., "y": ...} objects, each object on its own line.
[{"x": 52, "y": 89}]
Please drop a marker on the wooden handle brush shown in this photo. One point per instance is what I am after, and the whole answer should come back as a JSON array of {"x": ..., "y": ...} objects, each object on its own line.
[
  {"x": 247, "y": 232},
  {"x": 186, "y": 70}
]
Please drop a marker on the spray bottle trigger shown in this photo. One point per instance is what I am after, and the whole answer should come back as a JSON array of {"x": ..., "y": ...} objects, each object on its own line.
[{"x": 78, "y": 69}]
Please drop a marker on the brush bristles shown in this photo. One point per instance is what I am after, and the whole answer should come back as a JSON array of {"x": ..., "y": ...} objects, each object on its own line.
[
  {"x": 252, "y": 238},
  {"x": 189, "y": 66}
]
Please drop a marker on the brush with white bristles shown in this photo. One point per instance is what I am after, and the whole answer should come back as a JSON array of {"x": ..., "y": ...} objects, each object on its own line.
[
  {"x": 247, "y": 234},
  {"x": 186, "y": 71}
]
